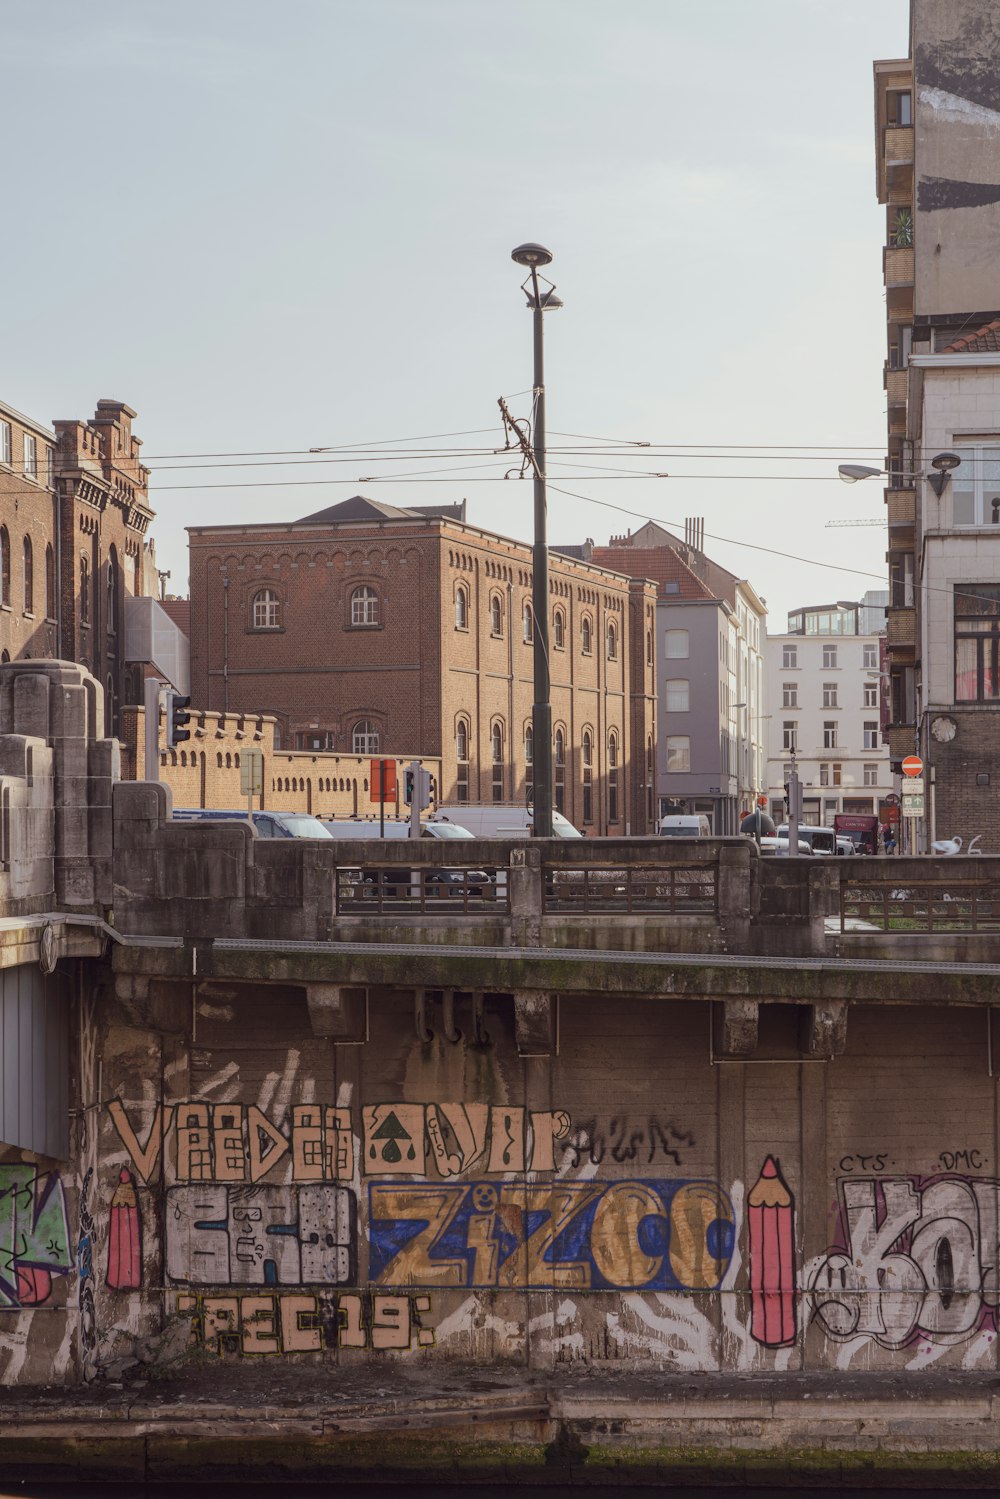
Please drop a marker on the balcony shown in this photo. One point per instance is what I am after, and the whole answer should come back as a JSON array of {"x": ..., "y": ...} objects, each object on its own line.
[
  {"x": 897, "y": 266},
  {"x": 902, "y": 506},
  {"x": 895, "y": 382},
  {"x": 897, "y": 157},
  {"x": 901, "y": 630}
]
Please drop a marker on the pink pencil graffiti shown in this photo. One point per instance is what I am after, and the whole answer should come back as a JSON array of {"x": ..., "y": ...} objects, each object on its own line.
[
  {"x": 771, "y": 1210},
  {"x": 124, "y": 1237}
]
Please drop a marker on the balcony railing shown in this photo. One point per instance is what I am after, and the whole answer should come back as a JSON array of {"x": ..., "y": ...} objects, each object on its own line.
[
  {"x": 901, "y": 904},
  {"x": 667, "y": 890}
]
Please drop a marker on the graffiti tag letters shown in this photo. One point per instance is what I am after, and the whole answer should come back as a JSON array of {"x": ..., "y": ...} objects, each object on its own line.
[
  {"x": 34, "y": 1235},
  {"x": 266, "y": 1236},
  {"x": 917, "y": 1258},
  {"x": 298, "y": 1323},
  {"x": 651, "y": 1235}
]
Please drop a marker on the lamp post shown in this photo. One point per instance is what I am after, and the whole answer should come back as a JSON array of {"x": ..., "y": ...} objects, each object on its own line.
[{"x": 534, "y": 256}]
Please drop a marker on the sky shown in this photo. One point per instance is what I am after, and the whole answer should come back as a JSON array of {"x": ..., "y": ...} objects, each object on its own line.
[{"x": 276, "y": 228}]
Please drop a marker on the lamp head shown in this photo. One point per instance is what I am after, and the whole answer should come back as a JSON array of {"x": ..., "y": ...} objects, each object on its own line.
[
  {"x": 531, "y": 255},
  {"x": 945, "y": 462},
  {"x": 852, "y": 472}
]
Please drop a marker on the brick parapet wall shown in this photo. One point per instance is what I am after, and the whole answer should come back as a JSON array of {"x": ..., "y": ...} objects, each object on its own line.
[{"x": 206, "y": 771}]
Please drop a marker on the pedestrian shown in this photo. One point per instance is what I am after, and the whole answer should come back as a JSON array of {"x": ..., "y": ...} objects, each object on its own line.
[{"x": 888, "y": 839}]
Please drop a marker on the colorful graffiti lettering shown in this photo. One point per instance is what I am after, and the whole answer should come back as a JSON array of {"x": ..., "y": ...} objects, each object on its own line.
[
  {"x": 651, "y": 1235},
  {"x": 304, "y": 1323},
  {"x": 771, "y": 1248},
  {"x": 405, "y": 1139},
  {"x": 266, "y": 1236},
  {"x": 917, "y": 1258},
  {"x": 34, "y": 1235},
  {"x": 233, "y": 1142}
]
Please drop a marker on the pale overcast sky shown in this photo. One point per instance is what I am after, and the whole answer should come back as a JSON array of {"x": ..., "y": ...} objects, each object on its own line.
[{"x": 279, "y": 227}]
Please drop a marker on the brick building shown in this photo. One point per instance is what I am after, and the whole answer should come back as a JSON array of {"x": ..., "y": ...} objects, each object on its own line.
[
  {"x": 74, "y": 512},
  {"x": 368, "y": 628}
]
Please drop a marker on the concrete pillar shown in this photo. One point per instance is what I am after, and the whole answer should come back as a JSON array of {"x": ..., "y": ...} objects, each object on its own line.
[
  {"x": 338, "y": 1012},
  {"x": 739, "y": 1028},
  {"x": 536, "y": 1024},
  {"x": 827, "y": 1029},
  {"x": 524, "y": 885}
]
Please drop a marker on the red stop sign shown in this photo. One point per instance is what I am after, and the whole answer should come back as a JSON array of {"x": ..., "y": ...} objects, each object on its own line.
[{"x": 912, "y": 765}]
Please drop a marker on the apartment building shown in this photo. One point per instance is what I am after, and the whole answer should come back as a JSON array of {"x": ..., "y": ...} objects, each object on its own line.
[
  {"x": 824, "y": 678},
  {"x": 938, "y": 175},
  {"x": 711, "y": 748},
  {"x": 370, "y": 628}
]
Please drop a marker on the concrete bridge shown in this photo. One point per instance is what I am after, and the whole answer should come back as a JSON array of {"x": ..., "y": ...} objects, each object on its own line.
[{"x": 604, "y": 1153}]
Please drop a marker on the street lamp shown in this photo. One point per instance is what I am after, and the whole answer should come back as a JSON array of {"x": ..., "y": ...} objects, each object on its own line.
[
  {"x": 943, "y": 464},
  {"x": 540, "y": 301}
]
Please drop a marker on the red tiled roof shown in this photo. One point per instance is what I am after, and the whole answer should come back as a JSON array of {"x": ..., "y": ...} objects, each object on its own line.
[
  {"x": 180, "y": 612},
  {"x": 662, "y": 564},
  {"x": 984, "y": 341}
]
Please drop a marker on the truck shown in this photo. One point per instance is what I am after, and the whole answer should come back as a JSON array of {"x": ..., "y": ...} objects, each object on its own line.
[{"x": 863, "y": 831}]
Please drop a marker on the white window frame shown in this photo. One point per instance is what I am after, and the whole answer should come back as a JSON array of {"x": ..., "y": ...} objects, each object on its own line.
[
  {"x": 789, "y": 694},
  {"x": 678, "y": 695},
  {"x": 30, "y": 456},
  {"x": 870, "y": 695},
  {"x": 364, "y": 738},
  {"x": 830, "y": 734},
  {"x": 789, "y": 658},
  {"x": 830, "y": 695},
  {"x": 6, "y": 443},
  {"x": 677, "y": 637},
  {"x": 364, "y": 606},
  {"x": 871, "y": 775},
  {"x": 678, "y": 754},
  {"x": 870, "y": 734},
  {"x": 829, "y": 658},
  {"x": 266, "y": 608},
  {"x": 869, "y": 657}
]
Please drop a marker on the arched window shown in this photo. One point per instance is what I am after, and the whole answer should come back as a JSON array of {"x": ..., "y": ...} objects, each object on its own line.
[
  {"x": 529, "y": 624},
  {"x": 461, "y": 608},
  {"x": 496, "y": 751},
  {"x": 50, "y": 583},
  {"x": 585, "y": 635},
  {"x": 462, "y": 759},
  {"x": 587, "y": 756},
  {"x": 28, "y": 576},
  {"x": 612, "y": 640},
  {"x": 4, "y": 566},
  {"x": 649, "y": 780},
  {"x": 84, "y": 591},
  {"x": 112, "y": 610},
  {"x": 364, "y": 606},
  {"x": 496, "y": 615},
  {"x": 4, "y": 657},
  {"x": 364, "y": 738},
  {"x": 266, "y": 610},
  {"x": 529, "y": 745},
  {"x": 560, "y": 771},
  {"x": 559, "y": 630},
  {"x": 649, "y": 647},
  {"x": 612, "y": 777},
  {"x": 112, "y": 706}
]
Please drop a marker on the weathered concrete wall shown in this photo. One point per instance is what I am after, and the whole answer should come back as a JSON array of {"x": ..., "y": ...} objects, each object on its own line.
[{"x": 248, "y": 1189}]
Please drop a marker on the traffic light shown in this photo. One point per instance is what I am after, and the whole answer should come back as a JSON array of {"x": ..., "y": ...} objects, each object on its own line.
[
  {"x": 432, "y": 789},
  {"x": 408, "y": 787},
  {"x": 178, "y": 719},
  {"x": 419, "y": 784}
]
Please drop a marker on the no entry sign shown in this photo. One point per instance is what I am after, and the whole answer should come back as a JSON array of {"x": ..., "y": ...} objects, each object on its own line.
[{"x": 912, "y": 765}]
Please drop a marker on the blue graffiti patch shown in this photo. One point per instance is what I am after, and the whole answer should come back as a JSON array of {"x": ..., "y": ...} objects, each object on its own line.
[{"x": 640, "y": 1234}]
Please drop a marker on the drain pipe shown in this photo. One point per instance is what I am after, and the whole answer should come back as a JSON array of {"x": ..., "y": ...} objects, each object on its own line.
[{"x": 225, "y": 645}]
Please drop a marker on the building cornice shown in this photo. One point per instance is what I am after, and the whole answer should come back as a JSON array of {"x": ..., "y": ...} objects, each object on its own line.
[{"x": 953, "y": 361}]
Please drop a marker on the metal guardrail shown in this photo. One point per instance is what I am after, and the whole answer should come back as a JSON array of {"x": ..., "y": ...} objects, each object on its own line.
[
  {"x": 660, "y": 890},
  {"x": 921, "y": 905},
  {"x": 399, "y": 891}
]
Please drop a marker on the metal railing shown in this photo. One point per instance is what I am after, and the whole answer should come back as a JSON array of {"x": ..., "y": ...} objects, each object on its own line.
[
  {"x": 641, "y": 890},
  {"x": 907, "y": 905},
  {"x": 431, "y": 891}
]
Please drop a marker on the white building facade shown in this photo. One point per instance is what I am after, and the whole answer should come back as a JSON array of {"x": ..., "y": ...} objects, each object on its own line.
[{"x": 824, "y": 694}]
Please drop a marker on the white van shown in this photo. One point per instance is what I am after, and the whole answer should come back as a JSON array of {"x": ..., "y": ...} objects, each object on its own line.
[
  {"x": 498, "y": 820},
  {"x": 677, "y": 826},
  {"x": 354, "y": 828},
  {"x": 820, "y": 840}
]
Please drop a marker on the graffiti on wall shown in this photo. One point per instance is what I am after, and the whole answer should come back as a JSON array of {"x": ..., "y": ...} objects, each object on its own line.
[
  {"x": 235, "y": 1142},
  {"x": 34, "y": 1234},
  {"x": 916, "y": 1257},
  {"x": 447, "y": 1139},
  {"x": 771, "y": 1251},
  {"x": 307, "y": 1323},
  {"x": 264, "y": 1235},
  {"x": 626, "y": 1140},
  {"x": 651, "y": 1235},
  {"x": 124, "y": 1271}
]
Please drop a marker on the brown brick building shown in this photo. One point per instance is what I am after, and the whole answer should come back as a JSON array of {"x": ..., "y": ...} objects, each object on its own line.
[
  {"x": 368, "y": 628},
  {"x": 74, "y": 511}
]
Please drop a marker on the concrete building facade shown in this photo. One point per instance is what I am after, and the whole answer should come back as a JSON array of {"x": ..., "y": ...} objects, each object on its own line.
[
  {"x": 368, "y": 629},
  {"x": 824, "y": 702},
  {"x": 938, "y": 158},
  {"x": 710, "y": 748}
]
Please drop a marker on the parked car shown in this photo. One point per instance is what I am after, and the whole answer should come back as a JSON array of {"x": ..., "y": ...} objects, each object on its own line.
[
  {"x": 398, "y": 882},
  {"x": 677, "y": 826},
  {"x": 820, "y": 840},
  {"x": 772, "y": 847},
  {"x": 264, "y": 824},
  {"x": 498, "y": 820}
]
